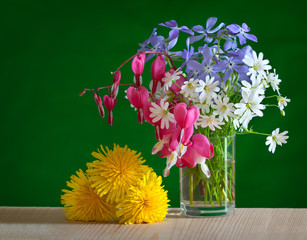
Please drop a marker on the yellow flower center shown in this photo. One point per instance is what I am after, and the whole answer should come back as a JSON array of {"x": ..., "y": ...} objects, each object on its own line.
[
  {"x": 207, "y": 88},
  {"x": 223, "y": 108},
  {"x": 257, "y": 66},
  {"x": 282, "y": 101},
  {"x": 190, "y": 85}
]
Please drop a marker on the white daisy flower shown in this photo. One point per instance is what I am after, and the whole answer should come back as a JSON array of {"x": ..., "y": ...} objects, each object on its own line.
[
  {"x": 223, "y": 109},
  {"x": 276, "y": 138},
  {"x": 170, "y": 78},
  {"x": 204, "y": 106},
  {"x": 209, "y": 121},
  {"x": 188, "y": 88},
  {"x": 250, "y": 103},
  {"x": 236, "y": 123},
  {"x": 207, "y": 89},
  {"x": 161, "y": 113},
  {"x": 272, "y": 79},
  {"x": 255, "y": 85},
  {"x": 257, "y": 65},
  {"x": 282, "y": 102}
]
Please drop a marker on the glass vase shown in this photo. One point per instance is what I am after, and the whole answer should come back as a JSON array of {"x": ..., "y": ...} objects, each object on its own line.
[{"x": 213, "y": 196}]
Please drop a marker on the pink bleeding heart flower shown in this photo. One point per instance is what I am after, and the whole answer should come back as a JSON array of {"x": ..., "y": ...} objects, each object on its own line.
[
  {"x": 99, "y": 104},
  {"x": 109, "y": 102},
  {"x": 161, "y": 132},
  {"x": 138, "y": 63},
  {"x": 157, "y": 71},
  {"x": 117, "y": 77},
  {"x": 137, "y": 68},
  {"x": 147, "y": 112},
  {"x": 114, "y": 90},
  {"x": 186, "y": 117},
  {"x": 197, "y": 153},
  {"x": 186, "y": 135},
  {"x": 179, "y": 82},
  {"x": 115, "y": 86},
  {"x": 138, "y": 97}
]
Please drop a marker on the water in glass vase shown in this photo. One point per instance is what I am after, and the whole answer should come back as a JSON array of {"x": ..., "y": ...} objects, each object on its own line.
[{"x": 213, "y": 196}]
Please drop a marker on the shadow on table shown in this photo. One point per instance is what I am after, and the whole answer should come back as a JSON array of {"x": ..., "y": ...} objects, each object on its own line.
[
  {"x": 49, "y": 215},
  {"x": 29, "y": 215}
]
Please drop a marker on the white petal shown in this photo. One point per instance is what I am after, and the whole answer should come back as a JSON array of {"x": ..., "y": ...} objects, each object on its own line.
[{"x": 205, "y": 170}]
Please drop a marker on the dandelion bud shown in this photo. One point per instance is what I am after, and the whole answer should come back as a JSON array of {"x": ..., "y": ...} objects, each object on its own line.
[{"x": 138, "y": 63}]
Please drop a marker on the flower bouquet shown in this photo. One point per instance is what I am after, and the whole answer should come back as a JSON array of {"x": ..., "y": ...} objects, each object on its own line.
[{"x": 198, "y": 100}]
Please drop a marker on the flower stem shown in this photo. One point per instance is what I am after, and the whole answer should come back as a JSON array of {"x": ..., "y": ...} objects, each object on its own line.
[
  {"x": 248, "y": 132},
  {"x": 191, "y": 187},
  {"x": 271, "y": 96},
  {"x": 100, "y": 88}
]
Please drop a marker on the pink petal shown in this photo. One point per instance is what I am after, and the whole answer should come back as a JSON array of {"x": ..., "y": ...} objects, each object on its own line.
[
  {"x": 117, "y": 77},
  {"x": 180, "y": 112},
  {"x": 138, "y": 63},
  {"x": 189, "y": 158},
  {"x": 109, "y": 102},
  {"x": 140, "y": 115},
  {"x": 175, "y": 88},
  {"x": 188, "y": 132},
  {"x": 191, "y": 117},
  {"x": 174, "y": 141},
  {"x": 138, "y": 97},
  {"x": 110, "y": 118},
  {"x": 202, "y": 146},
  {"x": 146, "y": 113},
  {"x": 164, "y": 152},
  {"x": 157, "y": 71}
]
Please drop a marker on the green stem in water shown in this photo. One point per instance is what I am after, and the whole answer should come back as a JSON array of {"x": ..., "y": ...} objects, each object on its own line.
[
  {"x": 191, "y": 187},
  {"x": 206, "y": 197}
]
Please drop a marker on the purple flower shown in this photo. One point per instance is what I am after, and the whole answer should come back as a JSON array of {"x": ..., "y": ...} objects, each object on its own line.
[
  {"x": 205, "y": 68},
  {"x": 235, "y": 63},
  {"x": 157, "y": 44},
  {"x": 174, "y": 33},
  {"x": 230, "y": 43},
  {"x": 205, "y": 32},
  {"x": 187, "y": 54},
  {"x": 241, "y": 32}
]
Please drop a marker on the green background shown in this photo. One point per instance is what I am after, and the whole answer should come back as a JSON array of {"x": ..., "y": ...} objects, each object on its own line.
[{"x": 51, "y": 50}]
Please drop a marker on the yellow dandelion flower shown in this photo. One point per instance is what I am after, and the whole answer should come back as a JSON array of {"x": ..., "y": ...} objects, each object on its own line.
[
  {"x": 82, "y": 203},
  {"x": 145, "y": 203},
  {"x": 116, "y": 171}
]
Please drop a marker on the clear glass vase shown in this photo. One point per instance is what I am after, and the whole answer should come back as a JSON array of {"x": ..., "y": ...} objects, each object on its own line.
[{"x": 213, "y": 196}]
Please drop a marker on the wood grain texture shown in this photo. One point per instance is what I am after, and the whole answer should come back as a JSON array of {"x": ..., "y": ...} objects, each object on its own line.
[{"x": 49, "y": 223}]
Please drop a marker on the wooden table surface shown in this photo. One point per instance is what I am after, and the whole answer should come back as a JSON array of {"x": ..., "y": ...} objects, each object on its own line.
[{"x": 245, "y": 223}]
